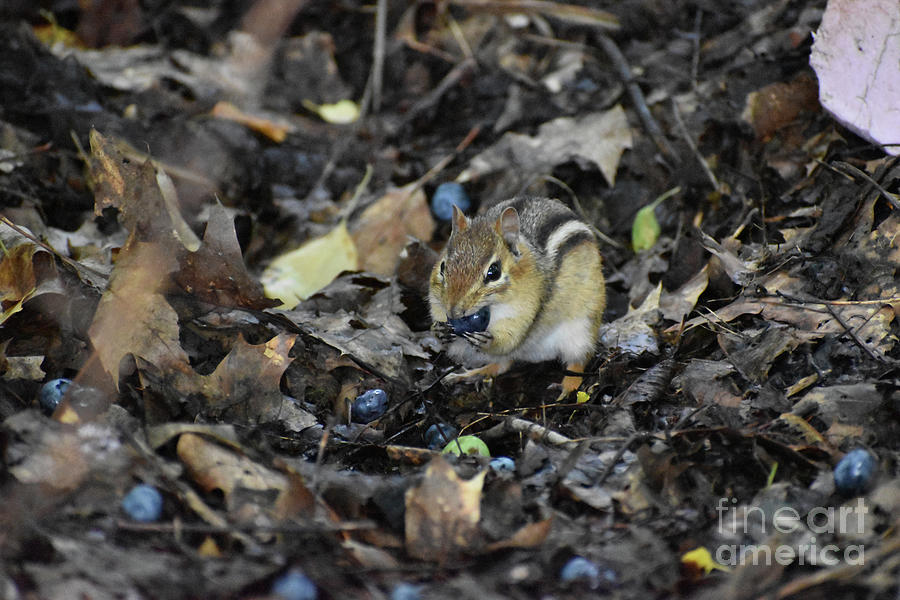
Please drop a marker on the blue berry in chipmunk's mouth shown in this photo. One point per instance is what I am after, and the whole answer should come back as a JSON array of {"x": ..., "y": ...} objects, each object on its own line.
[{"x": 474, "y": 323}]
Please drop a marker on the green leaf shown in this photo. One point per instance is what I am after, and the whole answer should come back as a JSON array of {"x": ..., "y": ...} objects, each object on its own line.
[
  {"x": 645, "y": 229},
  {"x": 469, "y": 444}
]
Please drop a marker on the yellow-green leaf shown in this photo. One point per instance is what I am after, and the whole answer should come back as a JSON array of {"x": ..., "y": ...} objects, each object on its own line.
[
  {"x": 300, "y": 273},
  {"x": 469, "y": 444},
  {"x": 645, "y": 229},
  {"x": 340, "y": 113},
  {"x": 701, "y": 559}
]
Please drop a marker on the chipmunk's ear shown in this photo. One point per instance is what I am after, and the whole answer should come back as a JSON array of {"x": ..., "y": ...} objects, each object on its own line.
[
  {"x": 459, "y": 221},
  {"x": 508, "y": 226}
]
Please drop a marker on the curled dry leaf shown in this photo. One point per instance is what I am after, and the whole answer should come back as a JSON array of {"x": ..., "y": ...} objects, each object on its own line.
[
  {"x": 24, "y": 268},
  {"x": 383, "y": 229},
  {"x": 145, "y": 197},
  {"x": 216, "y": 273},
  {"x": 133, "y": 316},
  {"x": 246, "y": 384},
  {"x": 595, "y": 139},
  {"x": 214, "y": 467},
  {"x": 442, "y": 513},
  {"x": 633, "y": 332}
]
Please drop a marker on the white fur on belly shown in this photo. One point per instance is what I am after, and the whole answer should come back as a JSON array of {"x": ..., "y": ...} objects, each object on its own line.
[{"x": 569, "y": 341}]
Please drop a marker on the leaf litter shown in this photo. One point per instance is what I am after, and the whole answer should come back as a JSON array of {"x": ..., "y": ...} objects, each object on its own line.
[{"x": 749, "y": 345}]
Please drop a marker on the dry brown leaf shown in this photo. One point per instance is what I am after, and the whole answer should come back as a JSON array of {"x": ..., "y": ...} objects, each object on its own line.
[
  {"x": 214, "y": 467},
  {"x": 676, "y": 305},
  {"x": 594, "y": 139},
  {"x": 531, "y": 535},
  {"x": 158, "y": 435},
  {"x": 216, "y": 272},
  {"x": 442, "y": 513},
  {"x": 17, "y": 278},
  {"x": 275, "y": 130},
  {"x": 122, "y": 182},
  {"x": 633, "y": 332},
  {"x": 706, "y": 381},
  {"x": 295, "y": 500},
  {"x": 383, "y": 229},
  {"x": 63, "y": 457},
  {"x": 409, "y": 454},
  {"x": 133, "y": 316},
  {"x": 246, "y": 384},
  {"x": 778, "y": 104},
  {"x": 368, "y": 556},
  {"x": 802, "y": 427}
]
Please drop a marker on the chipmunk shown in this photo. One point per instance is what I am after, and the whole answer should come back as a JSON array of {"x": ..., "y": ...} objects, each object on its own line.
[{"x": 522, "y": 282}]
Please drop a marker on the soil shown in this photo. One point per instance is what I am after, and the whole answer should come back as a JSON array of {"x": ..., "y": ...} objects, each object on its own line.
[{"x": 219, "y": 225}]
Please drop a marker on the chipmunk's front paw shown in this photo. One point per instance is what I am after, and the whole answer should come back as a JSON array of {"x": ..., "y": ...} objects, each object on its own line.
[
  {"x": 443, "y": 331},
  {"x": 479, "y": 339}
]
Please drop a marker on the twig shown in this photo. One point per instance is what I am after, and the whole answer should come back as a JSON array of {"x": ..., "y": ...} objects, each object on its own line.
[
  {"x": 849, "y": 169},
  {"x": 578, "y": 209},
  {"x": 695, "y": 58},
  {"x": 637, "y": 97},
  {"x": 457, "y": 32},
  {"x": 619, "y": 453},
  {"x": 679, "y": 122},
  {"x": 442, "y": 164},
  {"x": 434, "y": 96},
  {"x": 214, "y": 529},
  {"x": 529, "y": 428},
  {"x": 872, "y": 352},
  {"x": 378, "y": 54}
]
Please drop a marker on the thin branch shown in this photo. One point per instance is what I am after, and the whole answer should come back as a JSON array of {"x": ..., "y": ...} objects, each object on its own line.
[
  {"x": 679, "y": 122},
  {"x": 378, "y": 54},
  {"x": 637, "y": 97}
]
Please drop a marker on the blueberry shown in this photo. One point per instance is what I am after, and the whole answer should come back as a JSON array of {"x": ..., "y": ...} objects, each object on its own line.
[
  {"x": 406, "y": 591},
  {"x": 437, "y": 436},
  {"x": 446, "y": 196},
  {"x": 368, "y": 406},
  {"x": 854, "y": 473},
  {"x": 295, "y": 585},
  {"x": 502, "y": 464},
  {"x": 52, "y": 393},
  {"x": 579, "y": 568},
  {"x": 473, "y": 323},
  {"x": 143, "y": 503}
]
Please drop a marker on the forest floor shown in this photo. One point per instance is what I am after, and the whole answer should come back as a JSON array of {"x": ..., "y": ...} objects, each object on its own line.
[{"x": 158, "y": 159}]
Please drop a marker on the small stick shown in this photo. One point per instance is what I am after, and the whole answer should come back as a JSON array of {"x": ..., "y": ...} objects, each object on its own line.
[
  {"x": 690, "y": 142},
  {"x": 849, "y": 169},
  {"x": 621, "y": 451},
  {"x": 875, "y": 354},
  {"x": 434, "y": 96},
  {"x": 637, "y": 97},
  {"x": 695, "y": 58},
  {"x": 529, "y": 428},
  {"x": 378, "y": 54}
]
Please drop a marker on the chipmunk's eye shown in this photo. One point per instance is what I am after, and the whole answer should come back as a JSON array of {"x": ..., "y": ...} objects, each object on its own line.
[
  {"x": 493, "y": 272},
  {"x": 442, "y": 268}
]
